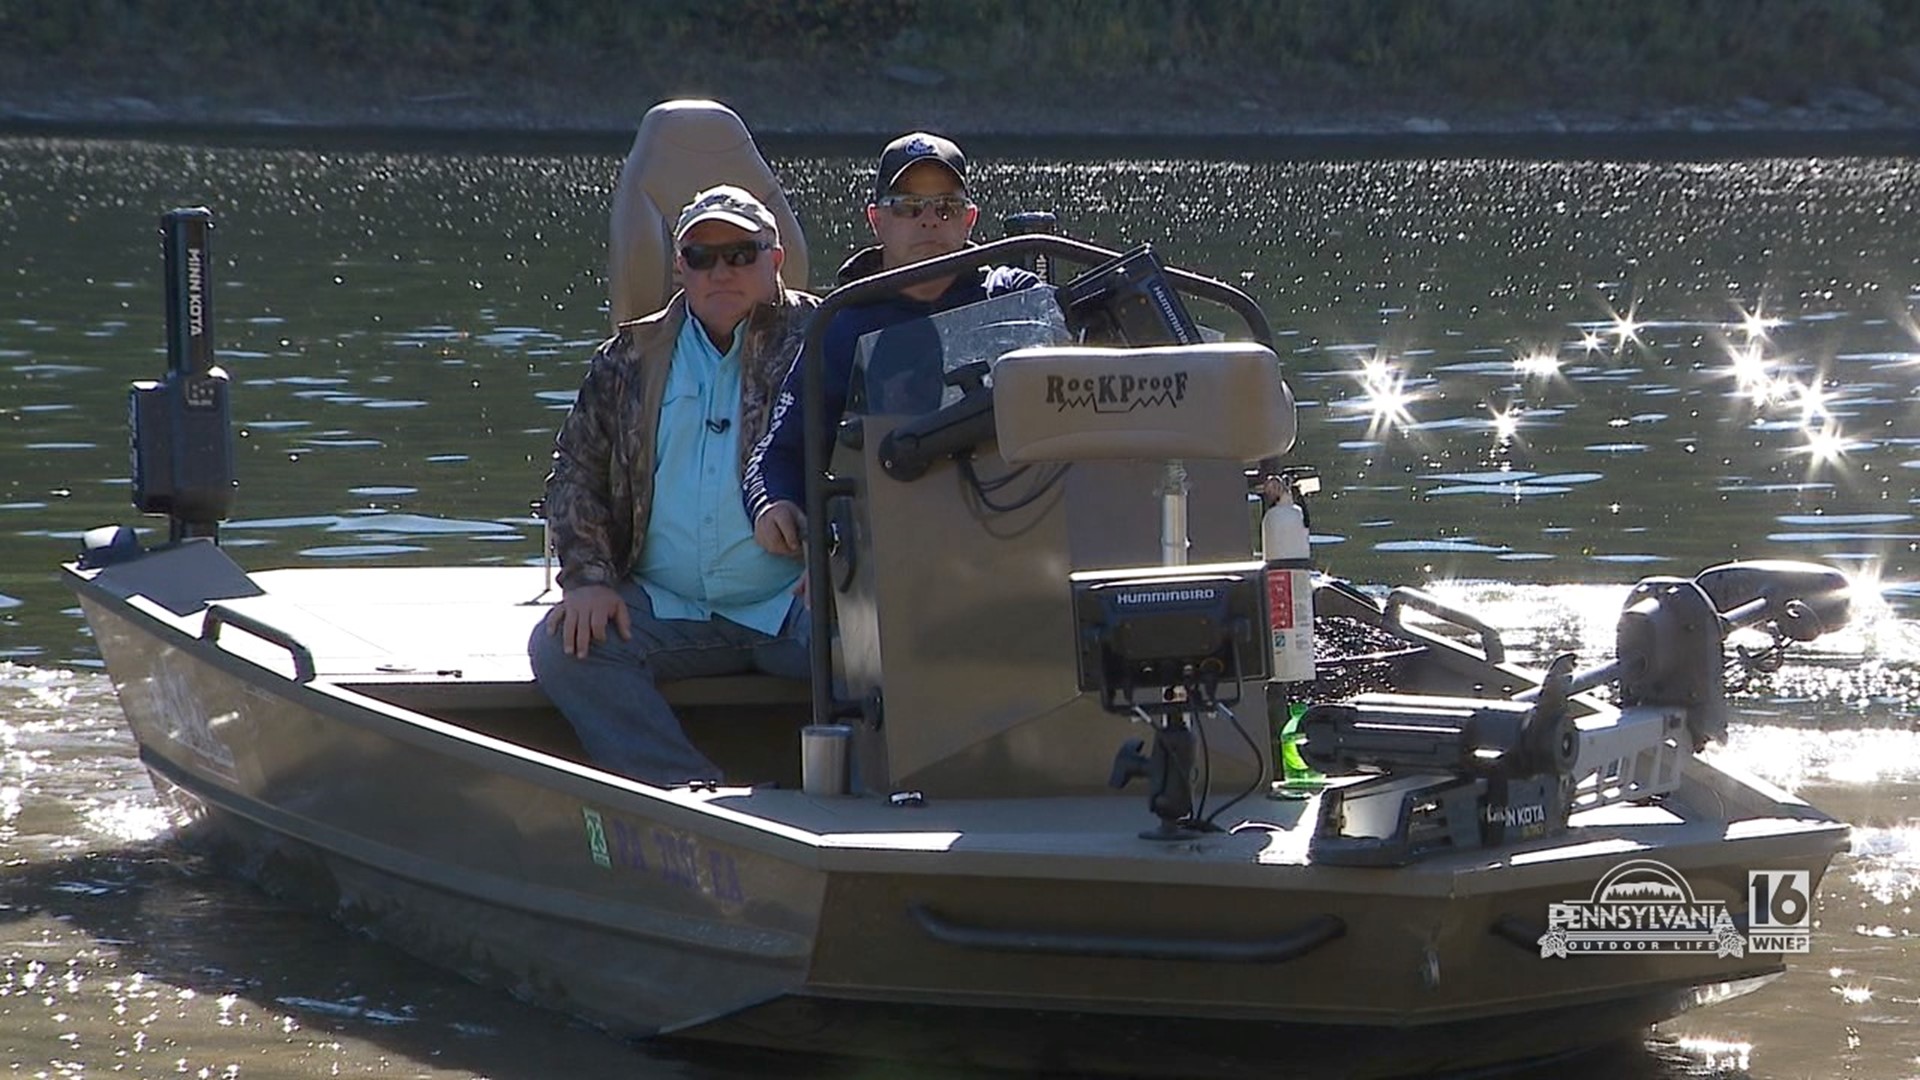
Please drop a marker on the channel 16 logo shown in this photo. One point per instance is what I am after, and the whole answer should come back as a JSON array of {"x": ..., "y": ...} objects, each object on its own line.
[{"x": 1779, "y": 911}]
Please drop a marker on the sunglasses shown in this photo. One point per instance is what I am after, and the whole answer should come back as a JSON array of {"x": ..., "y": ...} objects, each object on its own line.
[
  {"x": 944, "y": 207},
  {"x": 742, "y": 253}
]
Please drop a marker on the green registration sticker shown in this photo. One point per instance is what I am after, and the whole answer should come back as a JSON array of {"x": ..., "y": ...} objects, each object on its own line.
[{"x": 596, "y": 837}]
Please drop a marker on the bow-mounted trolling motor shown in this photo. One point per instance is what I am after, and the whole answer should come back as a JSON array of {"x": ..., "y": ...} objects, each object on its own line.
[
  {"x": 182, "y": 437},
  {"x": 182, "y": 430},
  {"x": 1454, "y": 773}
]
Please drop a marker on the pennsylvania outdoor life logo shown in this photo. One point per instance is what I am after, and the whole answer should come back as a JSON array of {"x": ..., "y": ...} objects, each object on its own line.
[
  {"x": 1646, "y": 906},
  {"x": 1641, "y": 906}
]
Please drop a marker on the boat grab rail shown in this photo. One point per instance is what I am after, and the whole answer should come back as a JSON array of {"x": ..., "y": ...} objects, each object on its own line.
[
  {"x": 1292, "y": 945},
  {"x": 814, "y": 427},
  {"x": 219, "y": 615},
  {"x": 1491, "y": 646}
]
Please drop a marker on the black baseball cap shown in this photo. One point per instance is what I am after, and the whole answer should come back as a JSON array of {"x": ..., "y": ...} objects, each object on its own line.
[{"x": 909, "y": 150}]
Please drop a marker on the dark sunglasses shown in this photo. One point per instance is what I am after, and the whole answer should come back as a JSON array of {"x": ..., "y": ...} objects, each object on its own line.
[
  {"x": 944, "y": 207},
  {"x": 741, "y": 253}
]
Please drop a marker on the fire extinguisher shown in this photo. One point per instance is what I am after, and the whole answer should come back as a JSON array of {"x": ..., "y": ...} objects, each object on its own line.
[{"x": 1285, "y": 547}]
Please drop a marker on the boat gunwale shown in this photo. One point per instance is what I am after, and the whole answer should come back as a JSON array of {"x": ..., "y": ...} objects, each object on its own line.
[{"x": 919, "y": 850}]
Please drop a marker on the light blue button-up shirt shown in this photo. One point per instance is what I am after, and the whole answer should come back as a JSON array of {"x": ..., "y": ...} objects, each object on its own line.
[{"x": 700, "y": 559}]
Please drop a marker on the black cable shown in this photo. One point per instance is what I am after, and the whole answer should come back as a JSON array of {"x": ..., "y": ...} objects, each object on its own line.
[
  {"x": 1251, "y": 745},
  {"x": 1250, "y": 742},
  {"x": 1206, "y": 757},
  {"x": 980, "y": 492},
  {"x": 1002, "y": 480},
  {"x": 981, "y": 488}
]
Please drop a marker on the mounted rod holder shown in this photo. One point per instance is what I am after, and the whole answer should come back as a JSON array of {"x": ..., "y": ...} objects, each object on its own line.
[{"x": 182, "y": 438}]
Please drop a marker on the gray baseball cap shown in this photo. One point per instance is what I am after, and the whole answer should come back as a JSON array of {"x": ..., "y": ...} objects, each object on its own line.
[{"x": 733, "y": 205}]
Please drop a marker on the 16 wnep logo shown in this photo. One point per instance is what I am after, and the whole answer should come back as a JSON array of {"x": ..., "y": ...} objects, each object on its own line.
[
  {"x": 1780, "y": 911},
  {"x": 1645, "y": 906}
]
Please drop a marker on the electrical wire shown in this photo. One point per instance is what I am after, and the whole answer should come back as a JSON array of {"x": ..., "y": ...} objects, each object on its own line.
[
  {"x": 1002, "y": 480},
  {"x": 1206, "y": 766},
  {"x": 1252, "y": 745},
  {"x": 1233, "y": 718},
  {"x": 981, "y": 489}
]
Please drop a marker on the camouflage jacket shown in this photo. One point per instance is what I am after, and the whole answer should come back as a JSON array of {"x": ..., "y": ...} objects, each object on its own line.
[{"x": 600, "y": 493}]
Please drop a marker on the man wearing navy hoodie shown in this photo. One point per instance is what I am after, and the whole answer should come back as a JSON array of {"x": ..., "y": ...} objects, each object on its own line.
[{"x": 921, "y": 209}]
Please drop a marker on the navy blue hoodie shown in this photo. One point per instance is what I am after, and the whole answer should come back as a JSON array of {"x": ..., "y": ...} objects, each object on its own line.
[{"x": 777, "y": 469}]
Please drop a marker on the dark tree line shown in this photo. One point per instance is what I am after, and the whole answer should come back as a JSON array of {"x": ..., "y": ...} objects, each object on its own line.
[{"x": 1492, "y": 50}]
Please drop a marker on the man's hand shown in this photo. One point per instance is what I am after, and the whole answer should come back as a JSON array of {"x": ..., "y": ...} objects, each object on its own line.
[
  {"x": 781, "y": 529},
  {"x": 580, "y": 618}
]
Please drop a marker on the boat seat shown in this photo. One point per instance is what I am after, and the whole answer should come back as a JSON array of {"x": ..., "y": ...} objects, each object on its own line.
[
  {"x": 1219, "y": 401},
  {"x": 681, "y": 149}
]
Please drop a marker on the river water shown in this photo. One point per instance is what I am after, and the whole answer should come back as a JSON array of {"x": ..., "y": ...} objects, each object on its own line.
[{"x": 1526, "y": 385}]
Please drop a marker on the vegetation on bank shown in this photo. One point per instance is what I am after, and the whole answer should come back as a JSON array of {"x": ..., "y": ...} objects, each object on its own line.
[{"x": 1493, "y": 51}]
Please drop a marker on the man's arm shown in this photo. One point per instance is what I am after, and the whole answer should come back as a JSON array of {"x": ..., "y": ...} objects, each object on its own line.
[
  {"x": 775, "y": 479},
  {"x": 579, "y": 507},
  {"x": 579, "y": 490}
]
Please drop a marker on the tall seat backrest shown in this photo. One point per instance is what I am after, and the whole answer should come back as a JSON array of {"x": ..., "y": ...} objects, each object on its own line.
[{"x": 682, "y": 148}]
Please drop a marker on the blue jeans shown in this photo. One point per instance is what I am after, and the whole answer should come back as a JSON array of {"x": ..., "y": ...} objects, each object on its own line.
[{"x": 611, "y": 699}]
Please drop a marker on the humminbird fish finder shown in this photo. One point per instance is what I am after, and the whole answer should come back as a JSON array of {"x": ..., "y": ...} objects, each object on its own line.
[
  {"x": 1167, "y": 644},
  {"x": 1150, "y": 638}
]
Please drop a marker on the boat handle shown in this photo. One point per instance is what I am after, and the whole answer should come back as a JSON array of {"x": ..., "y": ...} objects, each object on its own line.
[
  {"x": 1292, "y": 945},
  {"x": 1406, "y": 597},
  {"x": 219, "y": 615},
  {"x": 1515, "y": 930}
]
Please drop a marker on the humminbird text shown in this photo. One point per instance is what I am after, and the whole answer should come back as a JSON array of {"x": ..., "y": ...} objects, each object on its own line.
[{"x": 1166, "y": 596}]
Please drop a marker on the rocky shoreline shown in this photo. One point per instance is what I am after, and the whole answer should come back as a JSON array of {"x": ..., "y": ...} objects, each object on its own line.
[{"x": 893, "y": 98}]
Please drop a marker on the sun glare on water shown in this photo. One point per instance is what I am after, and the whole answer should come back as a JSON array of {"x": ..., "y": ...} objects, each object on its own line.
[{"x": 1538, "y": 364}]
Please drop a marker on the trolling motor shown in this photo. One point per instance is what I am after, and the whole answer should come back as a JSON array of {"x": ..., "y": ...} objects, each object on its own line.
[
  {"x": 182, "y": 435},
  {"x": 182, "y": 432},
  {"x": 1447, "y": 773}
]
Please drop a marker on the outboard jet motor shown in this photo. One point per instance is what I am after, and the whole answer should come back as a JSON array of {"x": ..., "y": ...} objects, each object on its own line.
[
  {"x": 1795, "y": 601},
  {"x": 1454, "y": 773},
  {"x": 1668, "y": 645},
  {"x": 1670, "y": 641}
]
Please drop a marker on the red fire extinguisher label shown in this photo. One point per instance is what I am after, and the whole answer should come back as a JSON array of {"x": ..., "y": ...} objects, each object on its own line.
[
  {"x": 1290, "y": 623},
  {"x": 1280, "y": 599}
]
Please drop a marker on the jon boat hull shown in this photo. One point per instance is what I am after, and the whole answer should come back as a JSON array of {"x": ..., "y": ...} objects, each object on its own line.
[{"x": 1045, "y": 927}]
